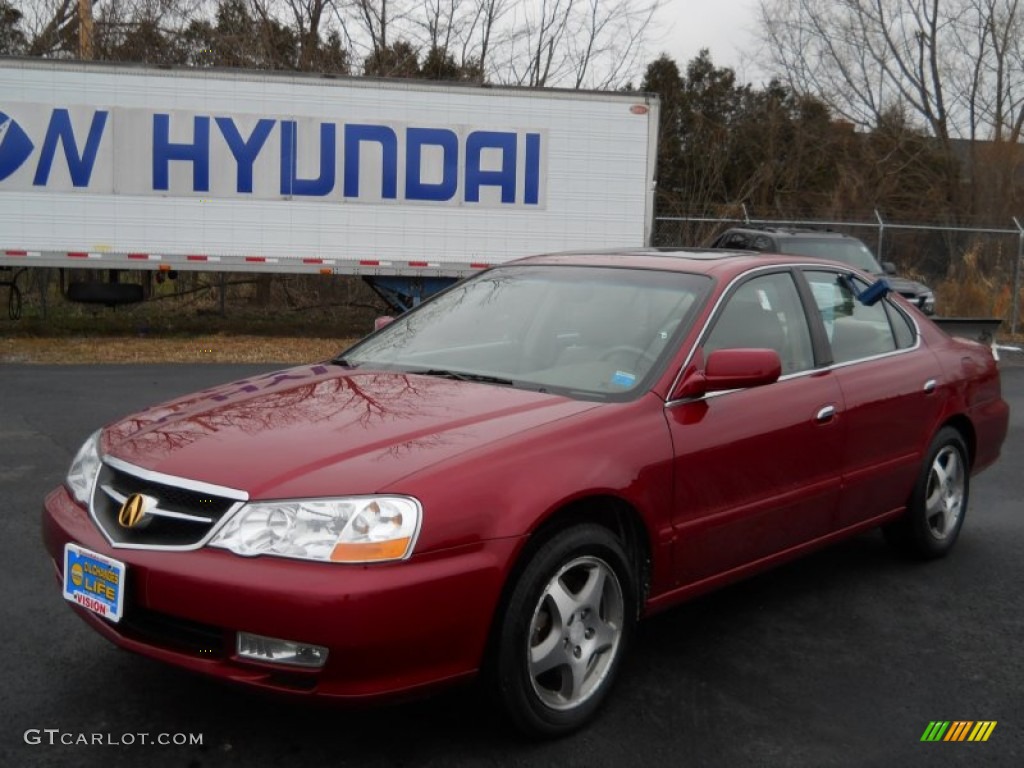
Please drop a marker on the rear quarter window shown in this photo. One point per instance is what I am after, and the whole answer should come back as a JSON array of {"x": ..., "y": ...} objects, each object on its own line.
[{"x": 902, "y": 328}]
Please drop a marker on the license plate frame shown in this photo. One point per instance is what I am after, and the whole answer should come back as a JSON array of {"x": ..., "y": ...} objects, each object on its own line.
[{"x": 94, "y": 582}]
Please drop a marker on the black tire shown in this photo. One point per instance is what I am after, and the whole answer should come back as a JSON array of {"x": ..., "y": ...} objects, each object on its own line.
[
  {"x": 938, "y": 504},
  {"x": 573, "y": 607}
]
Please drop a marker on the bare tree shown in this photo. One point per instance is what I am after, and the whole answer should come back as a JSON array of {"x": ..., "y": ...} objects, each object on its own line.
[
  {"x": 574, "y": 43},
  {"x": 569, "y": 43},
  {"x": 566, "y": 43},
  {"x": 954, "y": 67},
  {"x": 537, "y": 37},
  {"x": 304, "y": 17},
  {"x": 609, "y": 41},
  {"x": 51, "y": 27},
  {"x": 12, "y": 38},
  {"x": 371, "y": 27},
  {"x": 476, "y": 45}
]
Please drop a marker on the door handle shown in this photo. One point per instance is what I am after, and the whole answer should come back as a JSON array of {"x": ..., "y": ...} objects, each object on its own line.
[
  {"x": 930, "y": 385},
  {"x": 825, "y": 414}
]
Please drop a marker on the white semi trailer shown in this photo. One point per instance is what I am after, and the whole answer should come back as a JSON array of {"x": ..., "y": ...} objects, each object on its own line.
[{"x": 411, "y": 184}]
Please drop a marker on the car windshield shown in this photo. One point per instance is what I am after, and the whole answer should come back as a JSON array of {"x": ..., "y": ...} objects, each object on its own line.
[
  {"x": 852, "y": 252},
  {"x": 581, "y": 331}
]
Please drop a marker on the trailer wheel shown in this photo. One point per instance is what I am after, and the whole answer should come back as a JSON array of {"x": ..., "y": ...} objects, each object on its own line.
[{"x": 13, "y": 302}]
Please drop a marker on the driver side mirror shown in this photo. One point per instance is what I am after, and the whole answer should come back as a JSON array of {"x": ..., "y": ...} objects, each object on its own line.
[
  {"x": 731, "y": 369},
  {"x": 889, "y": 268}
]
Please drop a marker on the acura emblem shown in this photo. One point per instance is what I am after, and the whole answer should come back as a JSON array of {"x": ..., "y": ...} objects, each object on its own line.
[{"x": 132, "y": 511}]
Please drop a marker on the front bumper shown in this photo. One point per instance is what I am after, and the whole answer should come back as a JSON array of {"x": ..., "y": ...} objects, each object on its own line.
[{"x": 391, "y": 629}]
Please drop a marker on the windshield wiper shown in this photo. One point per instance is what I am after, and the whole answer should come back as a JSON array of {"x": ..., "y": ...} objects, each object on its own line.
[{"x": 463, "y": 376}]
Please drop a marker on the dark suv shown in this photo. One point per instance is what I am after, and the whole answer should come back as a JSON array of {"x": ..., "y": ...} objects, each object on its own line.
[{"x": 825, "y": 245}]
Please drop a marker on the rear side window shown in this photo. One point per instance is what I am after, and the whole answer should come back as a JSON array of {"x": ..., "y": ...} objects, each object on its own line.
[{"x": 855, "y": 330}]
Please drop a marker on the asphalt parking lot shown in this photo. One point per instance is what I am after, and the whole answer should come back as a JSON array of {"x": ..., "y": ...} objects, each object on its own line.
[{"x": 841, "y": 659}]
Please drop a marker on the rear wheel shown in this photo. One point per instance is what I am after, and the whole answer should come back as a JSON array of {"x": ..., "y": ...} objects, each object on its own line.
[
  {"x": 939, "y": 501},
  {"x": 564, "y": 631}
]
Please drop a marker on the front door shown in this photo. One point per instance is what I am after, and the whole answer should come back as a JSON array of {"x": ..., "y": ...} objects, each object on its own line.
[{"x": 757, "y": 471}]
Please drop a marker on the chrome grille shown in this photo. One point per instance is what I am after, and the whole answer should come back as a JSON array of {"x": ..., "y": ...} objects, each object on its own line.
[{"x": 180, "y": 513}]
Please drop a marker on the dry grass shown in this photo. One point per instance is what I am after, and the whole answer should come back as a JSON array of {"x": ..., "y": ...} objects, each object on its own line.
[
  {"x": 973, "y": 289},
  {"x": 214, "y": 348},
  {"x": 302, "y": 319}
]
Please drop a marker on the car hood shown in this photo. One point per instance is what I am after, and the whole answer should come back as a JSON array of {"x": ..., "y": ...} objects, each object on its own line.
[{"x": 323, "y": 430}]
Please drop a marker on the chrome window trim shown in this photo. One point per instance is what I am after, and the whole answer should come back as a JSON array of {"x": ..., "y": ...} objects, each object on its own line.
[
  {"x": 240, "y": 498},
  {"x": 799, "y": 374}
]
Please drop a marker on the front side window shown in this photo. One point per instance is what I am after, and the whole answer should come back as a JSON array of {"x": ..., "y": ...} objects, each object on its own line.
[
  {"x": 855, "y": 330},
  {"x": 765, "y": 313}
]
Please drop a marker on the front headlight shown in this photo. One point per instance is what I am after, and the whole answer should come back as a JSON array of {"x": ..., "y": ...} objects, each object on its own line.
[
  {"x": 84, "y": 468},
  {"x": 364, "y": 529},
  {"x": 927, "y": 300}
]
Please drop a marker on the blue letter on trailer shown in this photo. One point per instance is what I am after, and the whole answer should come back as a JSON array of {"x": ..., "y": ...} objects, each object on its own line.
[
  {"x": 415, "y": 187},
  {"x": 355, "y": 134},
  {"x": 244, "y": 150},
  {"x": 79, "y": 165},
  {"x": 290, "y": 183},
  {"x": 197, "y": 153},
  {"x": 532, "y": 193},
  {"x": 476, "y": 177}
]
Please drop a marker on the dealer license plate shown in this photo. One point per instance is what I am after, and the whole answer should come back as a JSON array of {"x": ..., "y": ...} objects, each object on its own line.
[{"x": 94, "y": 581}]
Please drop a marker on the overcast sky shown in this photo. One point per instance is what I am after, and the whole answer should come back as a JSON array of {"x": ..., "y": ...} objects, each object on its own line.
[{"x": 683, "y": 27}]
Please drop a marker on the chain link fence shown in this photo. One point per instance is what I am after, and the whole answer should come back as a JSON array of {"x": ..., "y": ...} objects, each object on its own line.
[{"x": 974, "y": 271}]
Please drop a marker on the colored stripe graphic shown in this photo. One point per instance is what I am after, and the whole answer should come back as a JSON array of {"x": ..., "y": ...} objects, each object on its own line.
[
  {"x": 982, "y": 730},
  {"x": 959, "y": 730},
  {"x": 935, "y": 731}
]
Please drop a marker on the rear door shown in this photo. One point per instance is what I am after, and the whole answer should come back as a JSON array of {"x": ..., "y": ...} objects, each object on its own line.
[{"x": 889, "y": 384}]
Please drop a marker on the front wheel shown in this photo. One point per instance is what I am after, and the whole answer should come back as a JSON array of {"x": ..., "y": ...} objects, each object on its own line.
[
  {"x": 939, "y": 501},
  {"x": 564, "y": 631}
]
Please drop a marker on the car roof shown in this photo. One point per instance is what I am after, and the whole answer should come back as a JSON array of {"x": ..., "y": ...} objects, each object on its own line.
[{"x": 709, "y": 261}]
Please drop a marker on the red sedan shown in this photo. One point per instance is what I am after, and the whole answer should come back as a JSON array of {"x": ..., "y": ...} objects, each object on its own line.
[{"x": 506, "y": 478}]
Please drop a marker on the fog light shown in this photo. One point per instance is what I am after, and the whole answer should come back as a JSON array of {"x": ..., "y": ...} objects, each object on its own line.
[{"x": 275, "y": 651}]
